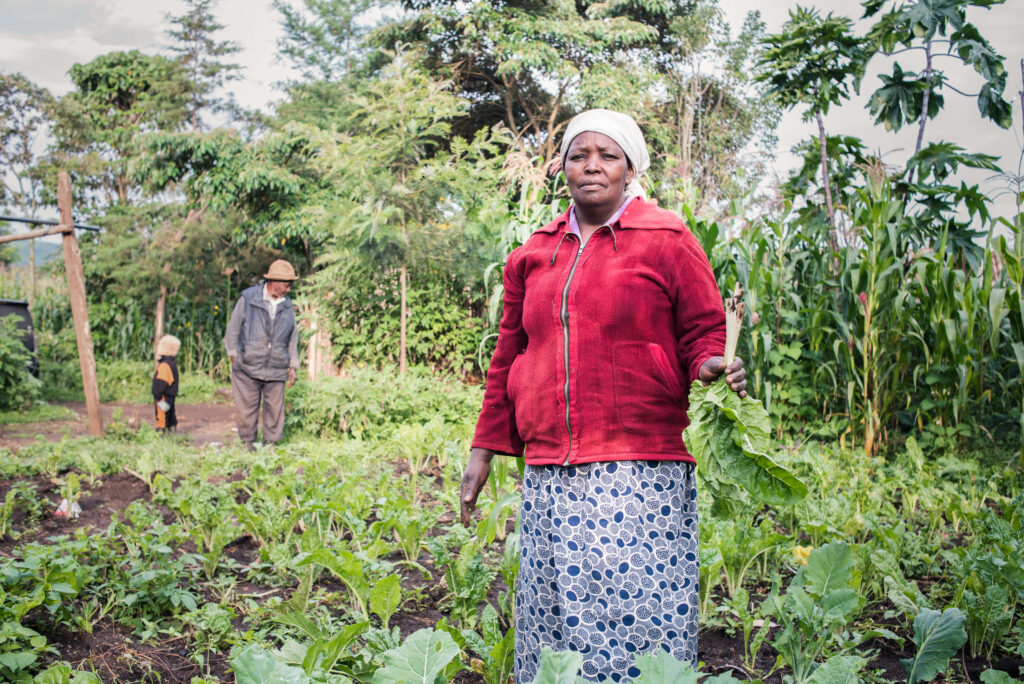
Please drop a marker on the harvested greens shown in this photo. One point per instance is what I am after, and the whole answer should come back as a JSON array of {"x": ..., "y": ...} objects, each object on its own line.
[{"x": 730, "y": 438}]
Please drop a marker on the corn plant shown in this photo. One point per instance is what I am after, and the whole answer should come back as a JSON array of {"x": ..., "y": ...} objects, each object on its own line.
[{"x": 874, "y": 326}]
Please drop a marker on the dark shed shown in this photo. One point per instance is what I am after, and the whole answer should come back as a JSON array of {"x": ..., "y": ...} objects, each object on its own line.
[{"x": 19, "y": 309}]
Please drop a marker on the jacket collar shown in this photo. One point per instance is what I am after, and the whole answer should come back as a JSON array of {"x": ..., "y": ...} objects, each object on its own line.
[
  {"x": 639, "y": 214},
  {"x": 257, "y": 298}
]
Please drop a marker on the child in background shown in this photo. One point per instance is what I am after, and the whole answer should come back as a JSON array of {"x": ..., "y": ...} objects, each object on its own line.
[{"x": 165, "y": 382}]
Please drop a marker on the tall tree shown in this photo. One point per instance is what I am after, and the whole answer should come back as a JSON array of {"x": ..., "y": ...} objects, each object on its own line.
[
  {"x": 715, "y": 127},
  {"x": 323, "y": 39},
  {"x": 202, "y": 55},
  {"x": 531, "y": 65},
  {"x": 116, "y": 96},
  {"x": 24, "y": 121},
  {"x": 814, "y": 62},
  {"x": 392, "y": 210},
  {"x": 936, "y": 30}
]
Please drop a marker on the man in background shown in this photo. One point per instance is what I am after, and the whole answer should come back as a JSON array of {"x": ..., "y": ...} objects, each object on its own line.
[{"x": 262, "y": 343}]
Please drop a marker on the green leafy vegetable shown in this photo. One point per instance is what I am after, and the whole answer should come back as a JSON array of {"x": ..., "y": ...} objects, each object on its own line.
[
  {"x": 662, "y": 668},
  {"x": 729, "y": 437},
  {"x": 558, "y": 667},
  {"x": 385, "y": 597},
  {"x": 998, "y": 677},
  {"x": 425, "y": 657},
  {"x": 255, "y": 666},
  {"x": 938, "y": 636}
]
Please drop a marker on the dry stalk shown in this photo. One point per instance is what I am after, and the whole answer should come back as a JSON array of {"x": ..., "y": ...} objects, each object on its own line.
[{"x": 733, "y": 320}]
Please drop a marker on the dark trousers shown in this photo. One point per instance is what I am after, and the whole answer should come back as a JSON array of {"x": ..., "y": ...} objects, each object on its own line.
[
  {"x": 166, "y": 420},
  {"x": 249, "y": 394}
]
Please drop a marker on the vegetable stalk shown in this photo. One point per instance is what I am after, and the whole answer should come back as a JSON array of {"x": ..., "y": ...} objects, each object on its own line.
[{"x": 733, "y": 321}]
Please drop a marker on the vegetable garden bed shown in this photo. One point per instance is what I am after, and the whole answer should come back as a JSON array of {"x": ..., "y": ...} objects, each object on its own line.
[{"x": 339, "y": 557}]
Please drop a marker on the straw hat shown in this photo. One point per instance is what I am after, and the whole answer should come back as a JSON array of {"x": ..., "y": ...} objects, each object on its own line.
[
  {"x": 168, "y": 346},
  {"x": 280, "y": 270}
]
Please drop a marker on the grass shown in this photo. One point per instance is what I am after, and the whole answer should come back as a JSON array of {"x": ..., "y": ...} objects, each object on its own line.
[
  {"x": 38, "y": 413},
  {"x": 127, "y": 381}
]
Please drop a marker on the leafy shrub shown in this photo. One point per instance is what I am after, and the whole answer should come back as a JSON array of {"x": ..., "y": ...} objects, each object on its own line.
[
  {"x": 125, "y": 381},
  {"x": 368, "y": 401},
  {"x": 442, "y": 330},
  {"x": 17, "y": 386}
]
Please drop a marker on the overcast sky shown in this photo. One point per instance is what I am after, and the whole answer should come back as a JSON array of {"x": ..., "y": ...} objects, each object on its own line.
[{"x": 43, "y": 38}]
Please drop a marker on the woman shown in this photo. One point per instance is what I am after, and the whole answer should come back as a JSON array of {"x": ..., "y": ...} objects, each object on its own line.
[{"x": 610, "y": 312}]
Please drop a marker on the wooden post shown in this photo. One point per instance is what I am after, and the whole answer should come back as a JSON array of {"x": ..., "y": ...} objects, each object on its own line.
[
  {"x": 32, "y": 295},
  {"x": 79, "y": 309},
  {"x": 31, "y": 274}
]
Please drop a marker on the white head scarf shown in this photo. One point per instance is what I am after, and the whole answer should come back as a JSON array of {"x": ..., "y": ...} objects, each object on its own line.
[{"x": 622, "y": 129}]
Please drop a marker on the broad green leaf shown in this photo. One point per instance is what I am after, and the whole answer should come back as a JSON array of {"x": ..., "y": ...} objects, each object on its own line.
[
  {"x": 839, "y": 603},
  {"x": 729, "y": 437},
  {"x": 423, "y": 656},
  {"x": 838, "y": 670},
  {"x": 662, "y": 668},
  {"x": 63, "y": 674},
  {"x": 302, "y": 623},
  {"x": 828, "y": 568},
  {"x": 501, "y": 659},
  {"x": 558, "y": 667},
  {"x": 385, "y": 597},
  {"x": 998, "y": 677},
  {"x": 256, "y": 666},
  {"x": 938, "y": 636},
  {"x": 728, "y": 678},
  {"x": 56, "y": 674},
  {"x": 80, "y": 677},
  {"x": 17, "y": 660}
]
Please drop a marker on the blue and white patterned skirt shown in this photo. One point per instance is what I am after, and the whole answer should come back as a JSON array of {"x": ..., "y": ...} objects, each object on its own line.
[{"x": 608, "y": 566}]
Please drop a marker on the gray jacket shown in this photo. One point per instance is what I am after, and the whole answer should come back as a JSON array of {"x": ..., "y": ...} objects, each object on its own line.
[{"x": 264, "y": 348}]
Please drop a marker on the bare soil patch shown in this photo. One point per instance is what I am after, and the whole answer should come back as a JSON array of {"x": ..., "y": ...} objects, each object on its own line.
[{"x": 206, "y": 423}]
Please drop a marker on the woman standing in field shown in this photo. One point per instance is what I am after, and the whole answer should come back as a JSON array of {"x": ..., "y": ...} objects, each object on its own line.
[{"x": 610, "y": 312}]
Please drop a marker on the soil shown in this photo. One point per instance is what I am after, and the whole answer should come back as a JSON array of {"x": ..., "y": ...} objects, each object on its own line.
[{"x": 206, "y": 423}]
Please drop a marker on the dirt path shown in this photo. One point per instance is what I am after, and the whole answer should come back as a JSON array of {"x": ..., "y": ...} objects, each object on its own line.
[{"x": 202, "y": 423}]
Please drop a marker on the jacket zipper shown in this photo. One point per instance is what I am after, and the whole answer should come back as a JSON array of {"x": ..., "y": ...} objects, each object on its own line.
[{"x": 565, "y": 345}]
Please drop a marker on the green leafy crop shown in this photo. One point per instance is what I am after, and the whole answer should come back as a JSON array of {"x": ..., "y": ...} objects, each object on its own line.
[{"x": 729, "y": 437}]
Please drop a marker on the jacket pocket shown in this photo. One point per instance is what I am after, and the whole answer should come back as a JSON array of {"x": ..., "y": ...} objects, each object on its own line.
[
  {"x": 279, "y": 357},
  {"x": 513, "y": 375},
  {"x": 522, "y": 390},
  {"x": 648, "y": 396}
]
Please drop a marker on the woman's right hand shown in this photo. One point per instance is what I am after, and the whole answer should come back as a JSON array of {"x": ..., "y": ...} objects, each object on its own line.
[{"x": 473, "y": 480}]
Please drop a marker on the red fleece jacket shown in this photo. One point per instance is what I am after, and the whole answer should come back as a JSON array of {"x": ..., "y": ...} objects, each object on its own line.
[{"x": 598, "y": 345}]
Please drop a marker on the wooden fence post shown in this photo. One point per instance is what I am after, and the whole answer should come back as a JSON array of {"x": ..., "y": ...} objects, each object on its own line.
[{"x": 79, "y": 309}]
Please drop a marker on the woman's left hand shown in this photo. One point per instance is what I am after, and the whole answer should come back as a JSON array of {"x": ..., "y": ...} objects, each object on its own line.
[{"x": 735, "y": 373}]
